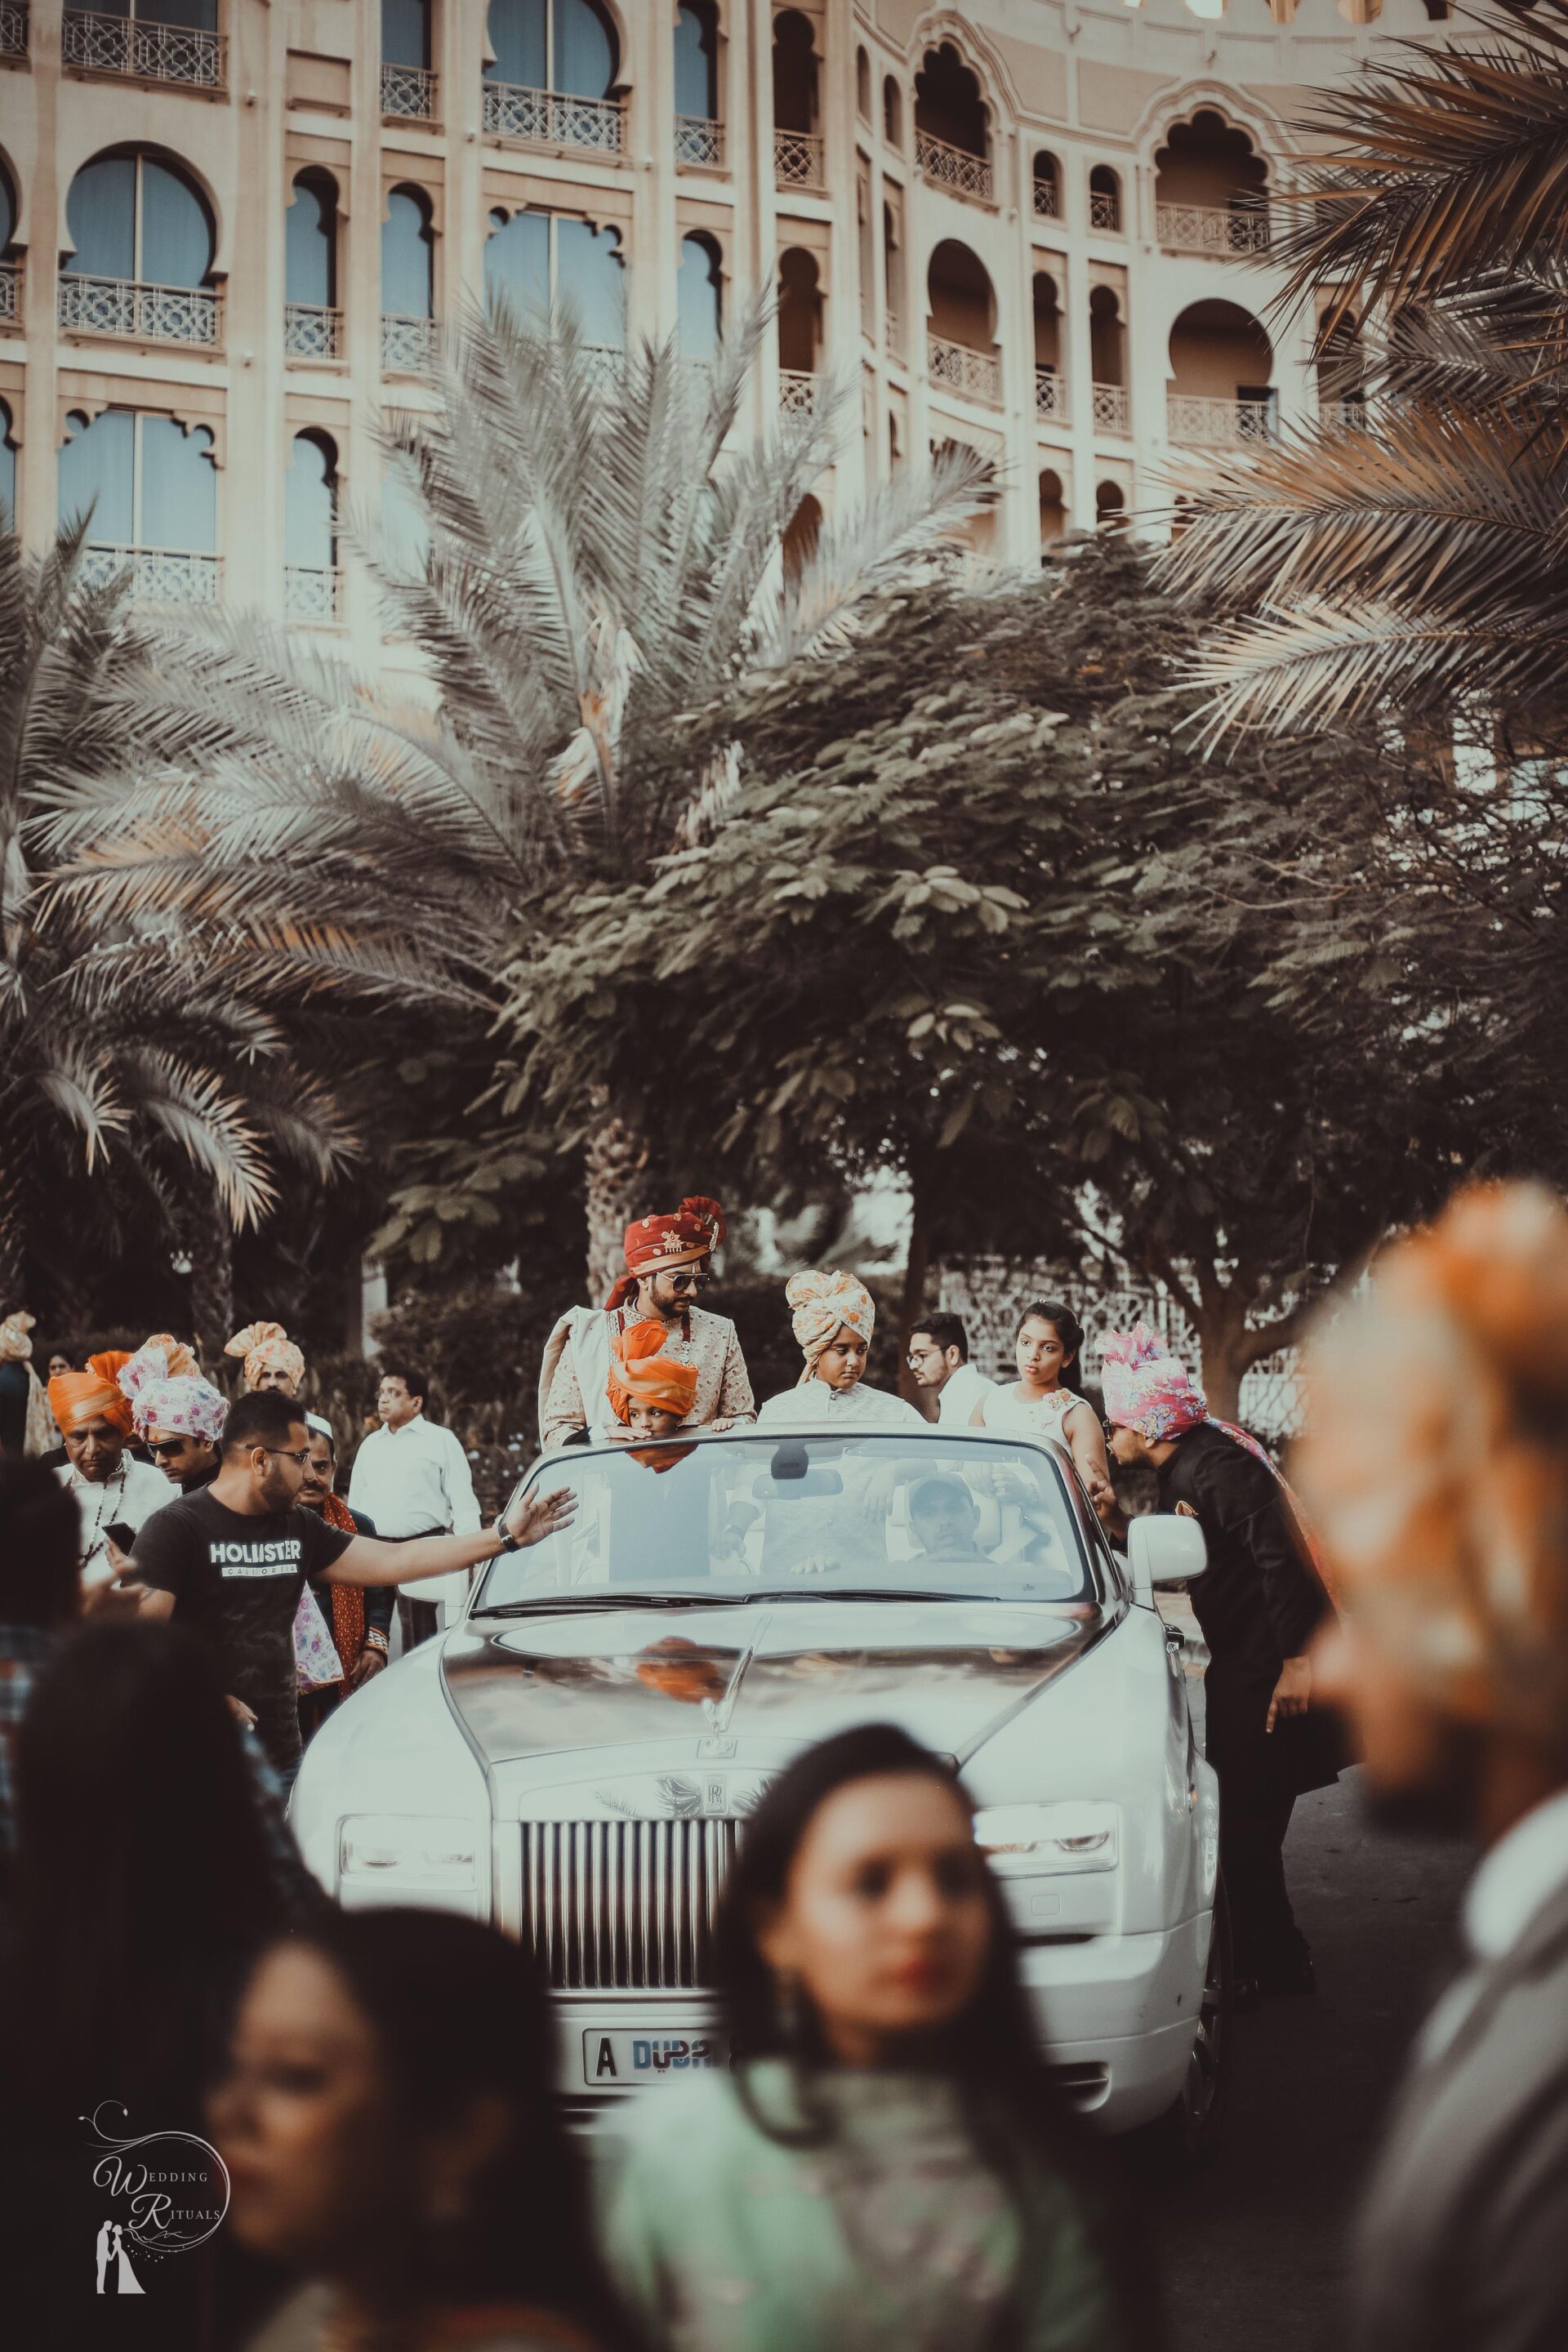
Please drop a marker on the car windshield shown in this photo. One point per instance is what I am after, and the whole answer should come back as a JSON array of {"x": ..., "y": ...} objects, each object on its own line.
[{"x": 912, "y": 1517}]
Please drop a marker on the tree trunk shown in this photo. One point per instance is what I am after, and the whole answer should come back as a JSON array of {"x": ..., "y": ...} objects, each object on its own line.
[
  {"x": 13, "y": 1238},
  {"x": 620, "y": 1185},
  {"x": 917, "y": 1274},
  {"x": 1225, "y": 1353},
  {"x": 211, "y": 1250}
]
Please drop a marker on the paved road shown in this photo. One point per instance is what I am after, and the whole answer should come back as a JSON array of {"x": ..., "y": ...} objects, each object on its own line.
[{"x": 1254, "y": 2248}]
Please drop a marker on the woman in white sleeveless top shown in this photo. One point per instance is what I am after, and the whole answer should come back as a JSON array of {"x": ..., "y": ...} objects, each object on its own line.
[{"x": 1047, "y": 1343}]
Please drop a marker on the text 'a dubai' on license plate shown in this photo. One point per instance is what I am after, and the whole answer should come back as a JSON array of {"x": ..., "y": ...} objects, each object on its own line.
[{"x": 625, "y": 2060}]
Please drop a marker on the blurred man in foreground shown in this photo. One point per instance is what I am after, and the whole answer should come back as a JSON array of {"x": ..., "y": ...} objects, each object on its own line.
[{"x": 1436, "y": 1466}]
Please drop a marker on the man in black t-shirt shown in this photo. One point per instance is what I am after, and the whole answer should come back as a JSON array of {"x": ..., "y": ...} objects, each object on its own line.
[{"x": 232, "y": 1559}]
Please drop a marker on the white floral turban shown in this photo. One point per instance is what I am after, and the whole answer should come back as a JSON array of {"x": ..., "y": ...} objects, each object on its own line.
[
  {"x": 166, "y": 1391},
  {"x": 820, "y": 1302},
  {"x": 14, "y": 1345}
]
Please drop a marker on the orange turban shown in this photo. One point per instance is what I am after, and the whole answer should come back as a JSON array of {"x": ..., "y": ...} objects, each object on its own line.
[
  {"x": 92, "y": 1395},
  {"x": 1434, "y": 1457},
  {"x": 641, "y": 1373},
  {"x": 267, "y": 1348}
]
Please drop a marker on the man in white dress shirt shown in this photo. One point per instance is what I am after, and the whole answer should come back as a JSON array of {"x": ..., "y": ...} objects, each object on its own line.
[
  {"x": 1435, "y": 1463},
  {"x": 411, "y": 1478},
  {"x": 939, "y": 1358}
]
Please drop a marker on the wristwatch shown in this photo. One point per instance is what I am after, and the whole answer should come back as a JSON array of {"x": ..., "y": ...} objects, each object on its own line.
[{"x": 504, "y": 1537}]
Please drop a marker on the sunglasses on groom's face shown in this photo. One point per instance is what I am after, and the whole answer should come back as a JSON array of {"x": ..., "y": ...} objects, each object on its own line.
[{"x": 684, "y": 1282}]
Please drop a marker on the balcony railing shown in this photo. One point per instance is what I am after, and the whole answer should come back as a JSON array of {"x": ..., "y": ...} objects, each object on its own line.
[
  {"x": 10, "y": 293},
  {"x": 700, "y": 142},
  {"x": 13, "y": 28},
  {"x": 312, "y": 332},
  {"x": 408, "y": 346},
  {"x": 1344, "y": 416},
  {"x": 1105, "y": 209},
  {"x": 158, "y": 575},
  {"x": 797, "y": 159},
  {"x": 1200, "y": 423},
  {"x": 548, "y": 118},
  {"x": 797, "y": 392},
  {"x": 129, "y": 307},
  {"x": 1221, "y": 230},
  {"x": 313, "y": 592},
  {"x": 143, "y": 51},
  {"x": 1050, "y": 395},
  {"x": 1112, "y": 413},
  {"x": 1047, "y": 200},
  {"x": 976, "y": 374},
  {"x": 408, "y": 93},
  {"x": 954, "y": 168}
]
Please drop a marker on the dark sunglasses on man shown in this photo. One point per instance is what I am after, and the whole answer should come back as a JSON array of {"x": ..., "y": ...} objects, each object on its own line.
[{"x": 680, "y": 1283}]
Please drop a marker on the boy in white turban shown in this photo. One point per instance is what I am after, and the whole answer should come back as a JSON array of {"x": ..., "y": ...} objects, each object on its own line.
[{"x": 833, "y": 1317}]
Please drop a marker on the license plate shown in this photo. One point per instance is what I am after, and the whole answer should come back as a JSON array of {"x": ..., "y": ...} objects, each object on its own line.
[{"x": 625, "y": 2061}]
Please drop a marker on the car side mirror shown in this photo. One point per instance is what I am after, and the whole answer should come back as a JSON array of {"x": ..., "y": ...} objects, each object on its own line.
[{"x": 1164, "y": 1549}]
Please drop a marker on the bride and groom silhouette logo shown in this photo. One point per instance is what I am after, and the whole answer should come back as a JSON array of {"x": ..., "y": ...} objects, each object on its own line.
[{"x": 115, "y": 2276}]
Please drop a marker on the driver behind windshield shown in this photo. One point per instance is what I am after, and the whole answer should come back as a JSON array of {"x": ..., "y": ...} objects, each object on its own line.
[{"x": 945, "y": 1520}]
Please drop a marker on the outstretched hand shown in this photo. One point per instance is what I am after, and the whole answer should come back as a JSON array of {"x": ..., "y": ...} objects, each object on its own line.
[{"x": 533, "y": 1516}]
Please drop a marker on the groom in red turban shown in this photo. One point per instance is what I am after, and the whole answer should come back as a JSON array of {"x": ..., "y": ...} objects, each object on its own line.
[{"x": 669, "y": 1261}]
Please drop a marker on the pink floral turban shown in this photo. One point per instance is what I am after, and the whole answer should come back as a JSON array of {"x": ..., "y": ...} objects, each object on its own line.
[
  {"x": 267, "y": 1348},
  {"x": 166, "y": 1391},
  {"x": 820, "y": 1302},
  {"x": 1145, "y": 1388}
]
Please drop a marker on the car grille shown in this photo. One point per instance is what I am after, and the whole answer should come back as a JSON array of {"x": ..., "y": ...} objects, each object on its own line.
[{"x": 624, "y": 1905}]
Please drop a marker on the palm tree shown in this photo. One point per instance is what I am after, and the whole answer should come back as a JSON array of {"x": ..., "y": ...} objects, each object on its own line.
[
  {"x": 599, "y": 553},
  {"x": 1412, "y": 550},
  {"x": 146, "y": 1058}
]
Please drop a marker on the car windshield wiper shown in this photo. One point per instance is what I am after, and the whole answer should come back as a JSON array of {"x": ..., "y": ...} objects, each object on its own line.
[
  {"x": 809, "y": 1589},
  {"x": 563, "y": 1604}
]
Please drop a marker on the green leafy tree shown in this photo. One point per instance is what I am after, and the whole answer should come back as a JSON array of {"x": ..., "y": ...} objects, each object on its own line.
[
  {"x": 599, "y": 554},
  {"x": 982, "y": 912},
  {"x": 147, "y": 1080}
]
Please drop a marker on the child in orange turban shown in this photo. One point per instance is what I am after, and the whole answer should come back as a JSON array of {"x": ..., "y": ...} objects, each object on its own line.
[{"x": 650, "y": 1394}]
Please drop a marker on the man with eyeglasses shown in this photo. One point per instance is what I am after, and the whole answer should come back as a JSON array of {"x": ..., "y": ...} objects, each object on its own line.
[
  {"x": 668, "y": 1267},
  {"x": 231, "y": 1562}
]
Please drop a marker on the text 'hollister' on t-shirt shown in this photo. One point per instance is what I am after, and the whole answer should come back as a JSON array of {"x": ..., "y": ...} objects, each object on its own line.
[{"x": 237, "y": 1581}]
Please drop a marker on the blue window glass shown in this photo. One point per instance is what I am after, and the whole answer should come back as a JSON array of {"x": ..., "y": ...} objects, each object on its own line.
[
  {"x": 583, "y": 64},
  {"x": 696, "y": 63},
  {"x": 405, "y": 32},
  {"x": 8, "y": 472},
  {"x": 178, "y": 487},
  {"x": 589, "y": 277},
  {"x": 7, "y": 214},
  {"x": 520, "y": 37},
  {"x": 407, "y": 282},
  {"x": 176, "y": 240},
  {"x": 100, "y": 216},
  {"x": 194, "y": 15},
  {"x": 97, "y": 473},
  {"x": 698, "y": 315},
  {"x": 132, "y": 217},
  {"x": 310, "y": 503},
  {"x": 310, "y": 246},
  {"x": 517, "y": 265}
]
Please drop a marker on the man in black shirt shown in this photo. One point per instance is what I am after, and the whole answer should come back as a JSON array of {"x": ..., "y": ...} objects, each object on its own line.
[
  {"x": 1259, "y": 1603},
  {"x": 231, "y": 1560}
]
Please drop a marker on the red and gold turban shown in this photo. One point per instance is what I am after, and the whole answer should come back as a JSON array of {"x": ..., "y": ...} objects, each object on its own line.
[
  {"x": 661, "y": 1244},
  {"x": 640, "y": 1373},
  {"x": 75, "y": 1398},
  {"x": 265, "y": 1348}
]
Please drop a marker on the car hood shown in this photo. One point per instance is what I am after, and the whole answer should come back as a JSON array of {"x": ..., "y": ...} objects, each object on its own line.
[{"x": 950, "y": 1672}]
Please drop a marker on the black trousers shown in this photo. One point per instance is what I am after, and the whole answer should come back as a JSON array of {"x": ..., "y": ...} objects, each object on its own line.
[
  {"x": 1253, "y": 1820},
  {"x": 419, "y": 1619}
]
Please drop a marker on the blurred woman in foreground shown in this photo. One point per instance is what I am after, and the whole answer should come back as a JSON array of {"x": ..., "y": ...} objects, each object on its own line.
[
  {"x": 388, "y": 2126},
  {"x": 886, "y": 2166}
]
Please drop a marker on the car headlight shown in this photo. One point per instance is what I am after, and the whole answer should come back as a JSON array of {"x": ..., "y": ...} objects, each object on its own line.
[
  {"x": 1040, "y": 1840},
  {"x": 405, "y": 1850}
]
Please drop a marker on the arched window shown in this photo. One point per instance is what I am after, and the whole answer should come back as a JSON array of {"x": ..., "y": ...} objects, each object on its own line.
[
  {"x": 8, "y": 211},
  {"x": 893, "y": 276},
  {"x": 1053, "y": 508},
  {"x": 134, "y": 218},
  {"x": 1210, "y": 189},
  {"x": 795, "y": 72},
  {"x": 560, "y": 45},
  {"x": 7, "y": 472},
  {"x": 1048, "y": 188},
  {"x": 960, "y": 352},
  {"x": 311, "y": 242},
  {"x": 800, "y": 312},
  {"x": 863, "y": 85},
  {"x": 311, "y": 503},
  {"x": 408, "y": 255},
  {"x": 696, "y": 61},
  {"x": 1221, "y": 363},
  {"x": 1104, "y": 199},
  {"x": 1049, "y": 389},
  {"x": 1110, "y": 506},
  {"x": 542, "y": 264},
  {"x": 149, "y": 484},
  {"x": 1107, "y": 337},
  {"x": 699, "y": 303},
  {"x": 799, "y": 543},
  {"x": 892, "y": 112}
]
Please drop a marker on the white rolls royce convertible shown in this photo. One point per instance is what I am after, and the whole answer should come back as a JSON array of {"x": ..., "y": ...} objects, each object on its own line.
[{"x": 576, "y": 1759}]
